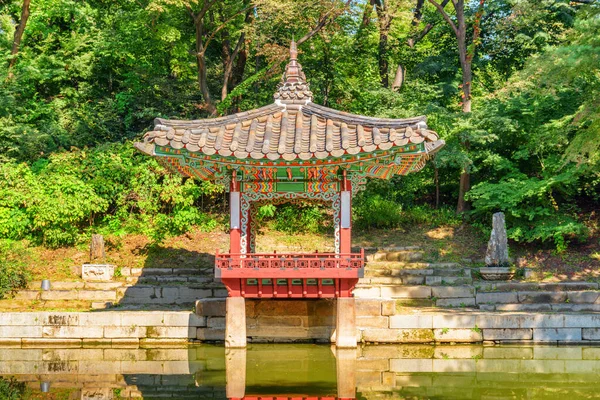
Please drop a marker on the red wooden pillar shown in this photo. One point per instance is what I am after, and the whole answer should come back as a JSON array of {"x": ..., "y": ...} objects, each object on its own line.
[
  {"x": 235, "y": 231},
  {"x": 346, "y": 216}
]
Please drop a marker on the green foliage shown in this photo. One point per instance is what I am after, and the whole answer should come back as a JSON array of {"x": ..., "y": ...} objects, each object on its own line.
[
  {"x": 91, "y": 76},
  {"x": 376, "y": 212},
  {"x": 13, "y": 274},
  {"x": 110, "y": 189},
  {"x": 301, "y": 218},
  {"x": 11, "y": 389}
]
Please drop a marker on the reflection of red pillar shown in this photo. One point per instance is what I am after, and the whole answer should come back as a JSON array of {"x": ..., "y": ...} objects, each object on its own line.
[
  {"x": 346, "y": 217},
  {"x": 235, "y": 232}
]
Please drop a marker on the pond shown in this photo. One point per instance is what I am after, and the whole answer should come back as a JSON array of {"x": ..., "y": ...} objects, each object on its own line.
[{"x": 302, "y": 371}]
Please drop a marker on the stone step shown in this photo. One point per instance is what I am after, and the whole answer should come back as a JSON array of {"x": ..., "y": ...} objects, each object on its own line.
[
  {"x": 142, "y": 294},
  {"x": 417, "y": 280},
  {"x": 387, "y": 248},
  {"x": 402, "y": 255},
  {"x": 541, "y": 307},
  {"x": 202, "y": 271},
  {"x": 395, "y": 265},
  {"x": 503, "y": 286},
  {"x": 539, "y": 297},
  {"x": 445, "y": 272}
]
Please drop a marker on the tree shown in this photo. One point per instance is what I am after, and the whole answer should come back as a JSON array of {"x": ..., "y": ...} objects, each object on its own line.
[
  {"x": 466, "y": 53},
  {"x": 18, "y": 36}
]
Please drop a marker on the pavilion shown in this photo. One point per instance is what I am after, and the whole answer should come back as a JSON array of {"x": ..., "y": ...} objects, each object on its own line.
[{"x": 291, "y": 150}]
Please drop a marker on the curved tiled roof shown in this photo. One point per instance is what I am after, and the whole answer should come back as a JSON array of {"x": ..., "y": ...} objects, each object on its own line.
[{"x": 291, "y": 128}]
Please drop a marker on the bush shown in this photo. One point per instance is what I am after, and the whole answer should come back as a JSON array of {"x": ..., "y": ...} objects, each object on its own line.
[
  {"x": 111, "y": 189},
  {"x": 13, "y": 274},
  {"x": 300, "y": 218},
  {"x": 11, "y": 389},
  {"x": 373, "y": 211}
]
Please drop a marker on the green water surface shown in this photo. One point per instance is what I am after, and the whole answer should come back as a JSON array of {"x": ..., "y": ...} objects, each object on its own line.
[{"x": 302, "y": 371}]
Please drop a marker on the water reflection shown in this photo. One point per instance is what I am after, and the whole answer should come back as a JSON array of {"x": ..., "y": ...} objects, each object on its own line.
[{"x": 302, "y": 371}]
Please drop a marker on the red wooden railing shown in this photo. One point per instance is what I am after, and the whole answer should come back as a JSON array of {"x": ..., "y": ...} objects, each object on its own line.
[
  {"x": 291, "y": 275},
  {"x": 290, "y": 260}
]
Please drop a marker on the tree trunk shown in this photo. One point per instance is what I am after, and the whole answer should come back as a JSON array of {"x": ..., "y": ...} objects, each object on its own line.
[
  {"x": 201, "y": 62},
  {"x": 382, "y": 55},
  {"x": 436, "y": 180},
  {"x": 464, "y": 186},
  {"x": 18, "y": 36}
]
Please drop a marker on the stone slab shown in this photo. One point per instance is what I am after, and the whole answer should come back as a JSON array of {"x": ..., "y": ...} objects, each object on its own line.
[
  {"x": 583, "y": 297},
  {"x": 406, "y": 292},
  {"x": 458, "y": 335},
  {"x": 442, "y": 292},
  {"x": 411, "y": 321},
  {"x": 495, "y": 298},
  {"x": 508, "y": 334},
  {"x": 556, "y": 334},
  {"x": 591, "y": 333},
  {"x": 456, "y": 302},
  {"x": 542, "y": 297},
  {"x": 398, "y": 335}
]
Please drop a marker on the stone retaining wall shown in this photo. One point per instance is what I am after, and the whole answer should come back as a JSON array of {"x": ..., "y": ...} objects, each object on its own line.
[{"x": 295, "y": 321}]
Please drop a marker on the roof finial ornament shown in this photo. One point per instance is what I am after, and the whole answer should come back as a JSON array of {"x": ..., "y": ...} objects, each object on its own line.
[{"x": 293, "y": 84}]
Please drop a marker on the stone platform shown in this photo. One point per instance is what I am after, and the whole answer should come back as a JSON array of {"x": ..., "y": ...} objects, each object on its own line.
[{"x": 295, "y": 321}]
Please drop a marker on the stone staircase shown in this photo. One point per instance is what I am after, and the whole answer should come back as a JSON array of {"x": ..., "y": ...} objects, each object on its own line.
[
  {"x": 400, "y": 274},
  {"x": 136, "y": 288}
]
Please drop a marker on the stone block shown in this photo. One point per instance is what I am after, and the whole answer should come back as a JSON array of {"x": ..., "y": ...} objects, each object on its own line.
[
  {"x": 368, "y": 307},
  {"x": 583, "y": 297},
  {"x": 388, "y": 307},
  {"x": 46, "y": 343},
  {"x": 367, "y": 292},
  {"x": 219, "y": 293},
  {"x": 97, "y": 272},
  {"x": 126, "y": 343},
  {"x": 60, "y": 319},
  {"x": 171, "y": 332},
  {"x": 541, "y": 321},
  {"x": 591, "y": 353},
  {"x": 142, "y": 318},
  {"x": 582, "y": 320},
  {"x": 103, "y": 295},
  {"x": 27, "y": 295},
  {"x": 524, "y": 307},
  {"x": 59, "y": 295},
  {"x": 72, "y": 354},
  {"x": 576, "y": 307},
  {"x": 495, "y": 298},
  {"x": 508, "y": 334},
  {"x": 97, "y": 285},
  {"x": 138, "y": 292},
  {"x": 210, "y": 307},
  {"x": 442, "y": 292},
  {"x": 591, "y": 333},
  {"x": 274, "y": 322},
  {"x": 132, "y": 331},
  {"x": 456, "y": 302},
  {"x": 398, "y": 335},
  {"x": 411, "y": 365},
  {"x": 458, "y": 335},
  {"x": 95, "y": 343},
  {"x": 190, "y": 295},
  {"x": 75, "y": 332},
  {"x": 542, "y": 297},
  {"x": 504, "y": 366},
  {"x": 542, "y": 366},
  {"x": 406, "y": 292},
  {"x": 372, "y": 322},
  {"x": 215, "y": 322},
  {"x": 569, "y": 286},
  {"x": 405, "y": 321},
  {"x": 498, "y": 321},
  {"x": 100, "y": 318},
  {"x": 157, "y": 271},
  {"x": 18, "y": 318},
  {"x": 20, "y": 331},
  {"x": 386, "y": 280},
  {"x": 454, "y": 321},
  {"x": 556, "y": 334},
  {"x": 413, "y": 280}
]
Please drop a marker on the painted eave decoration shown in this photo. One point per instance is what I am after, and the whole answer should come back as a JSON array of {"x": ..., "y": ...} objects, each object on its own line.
[{"x": 292, "y": 131}]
